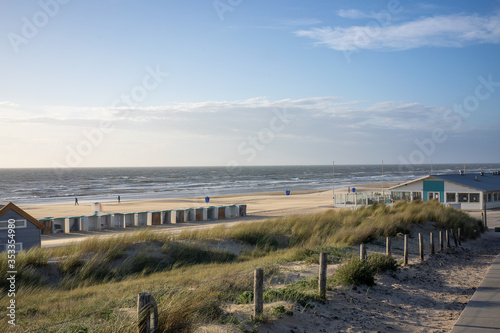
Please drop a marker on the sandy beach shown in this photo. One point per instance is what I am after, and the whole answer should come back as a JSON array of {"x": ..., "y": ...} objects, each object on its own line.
[{"x": 258, "y": 204}]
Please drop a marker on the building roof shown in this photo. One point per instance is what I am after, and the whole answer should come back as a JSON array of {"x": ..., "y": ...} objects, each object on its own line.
[
  {"x": 10, "y": 206},
  {"x": 487, "y": 182}
]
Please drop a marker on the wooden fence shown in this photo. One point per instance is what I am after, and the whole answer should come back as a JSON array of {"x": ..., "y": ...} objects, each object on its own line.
[{"x": 147, "y": 310}]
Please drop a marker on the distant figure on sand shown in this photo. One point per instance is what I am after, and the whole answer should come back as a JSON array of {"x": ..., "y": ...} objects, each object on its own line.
[
  {"x": 76, "y": 202},
  {"x": 119, "y": 199}
]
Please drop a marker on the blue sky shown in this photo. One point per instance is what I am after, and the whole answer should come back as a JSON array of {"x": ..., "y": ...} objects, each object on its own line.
[{"x": 240, "y": 82}]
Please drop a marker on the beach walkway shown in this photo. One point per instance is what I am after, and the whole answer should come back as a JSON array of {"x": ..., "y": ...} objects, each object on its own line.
[{"x": 482, "y": 313}]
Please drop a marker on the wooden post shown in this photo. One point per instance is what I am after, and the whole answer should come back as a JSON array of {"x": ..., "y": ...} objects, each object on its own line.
[
  {"x": 362, "y": 251},
  {"x": 421, "y": 246},
  {"x": 323, "y": 262},
  {"x": 147, "y": 313},
  {"x": 431, "y": 242},
  {"x": 448, "y": 239},
  {"x": 405, "y": 256},
  {"x": 483, "y": 214},
  {"x": 388, "y": 249},
  {"x": 440, "y": 241},
  {"x": 459, "y": 236},
  {"x": 454, "y": 234},
  {"x": 258, "y": 291}
]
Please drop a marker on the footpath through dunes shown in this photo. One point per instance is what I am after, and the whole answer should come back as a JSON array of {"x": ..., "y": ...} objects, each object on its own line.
[{"x": 260, "y": 206}]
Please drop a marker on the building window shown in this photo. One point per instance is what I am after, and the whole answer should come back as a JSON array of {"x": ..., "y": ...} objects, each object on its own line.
[
  {"x": 474, "y": 197},
  {"x": 489, "y": 197},
  {"x": 417, "y": 195},
  {"x": 495, "y": 196},
  {"x": 463, "y": 197},
  {"x": 18, "y": 247},
  {"x": 19, "y": 224},
  {"x": 451, "y": 197}
]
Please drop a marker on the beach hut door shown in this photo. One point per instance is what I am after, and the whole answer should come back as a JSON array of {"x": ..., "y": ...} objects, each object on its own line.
[{"x": 434, "y": 195}]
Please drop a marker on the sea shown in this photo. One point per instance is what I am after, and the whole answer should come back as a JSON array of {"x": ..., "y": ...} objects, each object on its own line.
[{"x": 42, "y": 186}]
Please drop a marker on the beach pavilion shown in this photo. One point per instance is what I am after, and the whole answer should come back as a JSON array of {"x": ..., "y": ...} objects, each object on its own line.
[{"x": 463, "y": 191}]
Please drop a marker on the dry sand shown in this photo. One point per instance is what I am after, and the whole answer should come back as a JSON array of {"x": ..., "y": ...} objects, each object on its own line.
[{"x": 259, "y": 204}]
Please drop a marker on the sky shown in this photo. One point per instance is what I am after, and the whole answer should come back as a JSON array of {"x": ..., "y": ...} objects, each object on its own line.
[{"x": 121, "y": 83}]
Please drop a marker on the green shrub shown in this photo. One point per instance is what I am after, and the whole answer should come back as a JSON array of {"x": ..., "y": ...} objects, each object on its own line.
[
  {"x": 280, "y": 310},
  {"x": 302, "y": 292},
  {"x": 380, "y": 262},
  {"x": 245, "y": 298},
  {"x": 355, "y": 272}
]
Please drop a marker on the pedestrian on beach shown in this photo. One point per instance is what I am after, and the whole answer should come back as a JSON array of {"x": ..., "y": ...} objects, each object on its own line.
[
  {"x": 119, "y": 199},
  {"x": 76, "y": 202}
]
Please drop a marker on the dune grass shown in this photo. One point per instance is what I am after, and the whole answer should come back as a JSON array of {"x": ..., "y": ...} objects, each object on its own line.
[
  {"x": 98, "y": 280},
  {"x": 343, "y": 227}
]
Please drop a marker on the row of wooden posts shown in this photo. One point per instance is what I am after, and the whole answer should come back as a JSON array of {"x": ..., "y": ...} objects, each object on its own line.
[
  {"x": 456, "y": 235},
  {"x": 147, "y": 309}
]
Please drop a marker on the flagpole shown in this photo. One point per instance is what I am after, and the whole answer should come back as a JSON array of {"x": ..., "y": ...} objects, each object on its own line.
[
  {"x": 333, "y": 178},
  {"x": 383, "y": 196}
]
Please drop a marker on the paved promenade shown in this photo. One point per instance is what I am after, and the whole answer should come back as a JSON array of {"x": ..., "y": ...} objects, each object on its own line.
[{"x": 482, "y": 313}]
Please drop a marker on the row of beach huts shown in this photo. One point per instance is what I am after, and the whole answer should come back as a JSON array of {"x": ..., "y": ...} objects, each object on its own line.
[{"x": 100, "y": 220}]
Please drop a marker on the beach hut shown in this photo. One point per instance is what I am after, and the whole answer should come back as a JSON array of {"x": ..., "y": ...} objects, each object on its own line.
[
  {"x": 212, "y": 213},
  {"x": 201, "y": 214},
  {"x": 58, "y": 224},
  {"x": 179, "y": 216},
  {"x": 221, "y": 213},
  {"x": 188, "y": 215},
  {"x": 231, "y": 212},
  {"x": 93, "y": 222},
  {"x": 141, "y": 219},
  {"x": 48, "y": 224},
  {"x": 106, "y": 221},
  {"x": 166, "y": 217},
  {"x": 28, "y": 230},
  {"x": 475, "y": 191},
  {"x": 118, "y": 220},
  {"x": 242, "y": 210},
  {"x": 128, "y": 220},
  {"x": 83, "y": 223},
  {"x": 73, "y": 224}
]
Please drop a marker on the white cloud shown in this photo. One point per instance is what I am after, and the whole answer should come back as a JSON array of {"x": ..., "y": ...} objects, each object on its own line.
[
  {"x": 353, "y": 14},
  {"x": 212, "y": 133},
  {"x": 438, "y": 31},
  {"x": 244, "y": 115},
  {"x": 8, "y": 104}
]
